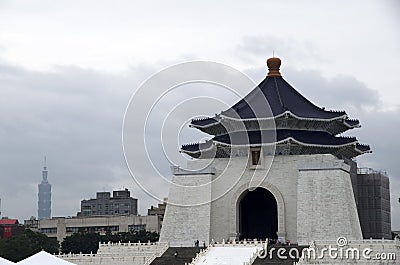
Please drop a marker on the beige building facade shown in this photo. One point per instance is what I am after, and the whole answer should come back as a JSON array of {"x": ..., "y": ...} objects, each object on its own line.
[{"x": 61, "y": 227}]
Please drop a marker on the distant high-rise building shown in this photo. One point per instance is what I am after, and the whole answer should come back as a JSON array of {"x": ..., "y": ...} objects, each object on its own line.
[
  {"x": 121, "y": 203},
  {"x": 44, "y": 202}
]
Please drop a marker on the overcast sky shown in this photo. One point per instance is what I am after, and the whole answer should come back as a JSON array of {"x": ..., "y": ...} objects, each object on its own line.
[{"x": 69, "y": 68}]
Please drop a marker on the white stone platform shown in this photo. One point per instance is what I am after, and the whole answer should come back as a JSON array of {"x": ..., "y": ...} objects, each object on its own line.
[
  {"x": 119, "y": 254},
  {"x": 230, "y": 253},
  {"x": 227, "y": 256}
]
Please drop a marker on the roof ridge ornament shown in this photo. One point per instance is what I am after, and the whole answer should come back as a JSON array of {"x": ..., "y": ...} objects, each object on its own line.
[{"x": 274, "y": 64}]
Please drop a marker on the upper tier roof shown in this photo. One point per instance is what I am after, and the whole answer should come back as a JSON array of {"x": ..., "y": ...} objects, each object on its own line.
[{"x": 282, "y": 99}]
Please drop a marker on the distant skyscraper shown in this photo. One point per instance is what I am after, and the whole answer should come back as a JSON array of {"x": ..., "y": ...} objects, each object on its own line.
[{"x": 44, "y": 202}]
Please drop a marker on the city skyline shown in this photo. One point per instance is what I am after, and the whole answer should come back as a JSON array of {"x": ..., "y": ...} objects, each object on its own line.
[{"x": 67, "y": 72}]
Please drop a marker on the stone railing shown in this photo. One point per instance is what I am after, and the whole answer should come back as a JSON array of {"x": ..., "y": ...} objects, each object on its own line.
[
  {"x": 233, "y": 243},
  {"x": 111, "y": 244},
  {"x": 104, "y": 255},
  {"x": 252, "y": 259},
  {"x": 241, "y": 243},
  {"x": 199, "y": 255},
  {"x": 361, "y": 242},
  {"x": 164, "y": 247}
]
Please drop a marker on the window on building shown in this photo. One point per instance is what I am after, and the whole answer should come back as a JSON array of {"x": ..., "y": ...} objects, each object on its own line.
[
  {"x": 255, "y": 156},
  {"x": 50, "y": 230},
  {"x": 86, "y": 210},
  {"x": 72, "y": 229},
  {"x": 137, "y": 228},
  {"x": 94, "y": 229}
]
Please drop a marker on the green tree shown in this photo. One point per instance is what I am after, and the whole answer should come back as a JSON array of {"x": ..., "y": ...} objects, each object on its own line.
[
  {"x": 81, "y": 243},
  {"x": 19, "y": 247},
  {"x": 145, "y": 236}
]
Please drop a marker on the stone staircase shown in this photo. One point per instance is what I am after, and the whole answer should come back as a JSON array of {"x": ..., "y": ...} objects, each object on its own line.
[{"x": 185, "y": 255}]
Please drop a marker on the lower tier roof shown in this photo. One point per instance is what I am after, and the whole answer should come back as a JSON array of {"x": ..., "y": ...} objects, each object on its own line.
[
  {"x": 298, "y": 141},
  {"x": 220, "y": 125}
]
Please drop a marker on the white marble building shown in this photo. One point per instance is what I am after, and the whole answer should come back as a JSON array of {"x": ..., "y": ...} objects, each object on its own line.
[{"x": 274, "y": 168}]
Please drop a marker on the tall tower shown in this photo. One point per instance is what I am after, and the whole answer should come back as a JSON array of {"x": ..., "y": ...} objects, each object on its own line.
[{"x": 44, "y": 202}]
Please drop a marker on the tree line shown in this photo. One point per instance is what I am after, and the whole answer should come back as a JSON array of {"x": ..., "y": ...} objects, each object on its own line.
[
  {"x": 25, "y": 244},
  {"x": 89, "y": 242},
  {"x": 28, "y": 242}
]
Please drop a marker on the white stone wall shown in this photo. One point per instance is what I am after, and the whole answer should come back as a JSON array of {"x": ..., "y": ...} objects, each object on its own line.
[
  {"x": 299, "y": 183},
  {"x": 184, "y": 224},
  {"x": 326, "y": 205},
  {"x": 119, "y": 254},
  {"x": 280, "y": 179}
]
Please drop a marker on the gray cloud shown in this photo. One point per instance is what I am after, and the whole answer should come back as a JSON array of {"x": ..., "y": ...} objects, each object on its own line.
[
  {"x": 342, "y": 92},
  {"x": 255, "y": 47},
  {"x": 74, "y": 116}
]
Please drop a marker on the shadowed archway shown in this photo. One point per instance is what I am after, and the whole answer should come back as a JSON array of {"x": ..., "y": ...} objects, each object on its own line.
[{"x": 258, "y": 215}]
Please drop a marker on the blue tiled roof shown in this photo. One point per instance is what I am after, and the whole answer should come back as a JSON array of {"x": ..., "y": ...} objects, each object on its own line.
[
  {"x": 317, "y": 138},
  {"x": 281, "y": 97},
  {"x": 262, "y": 137}
]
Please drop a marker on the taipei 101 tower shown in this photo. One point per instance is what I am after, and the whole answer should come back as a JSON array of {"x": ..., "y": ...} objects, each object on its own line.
[{"x": 44, "y": 203}]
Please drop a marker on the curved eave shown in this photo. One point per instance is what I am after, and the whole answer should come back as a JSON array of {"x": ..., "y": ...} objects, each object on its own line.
[
  {"x": 363, "y": 148},
  {"x": 341, "y": 115},
  {"x": 204, "y": 123},
  {"x": 351, "y": 149},
  {"x": 197, "y": 147},
  {"x": 352, "y": 123},
  {"x": 294, "y": 140},
  {"x": 217, "y": 125},
  {"x": 208, "y": 122}
]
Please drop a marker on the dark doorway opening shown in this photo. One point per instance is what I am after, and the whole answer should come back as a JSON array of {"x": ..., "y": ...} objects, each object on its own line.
[{"x": 258, "y": 215}]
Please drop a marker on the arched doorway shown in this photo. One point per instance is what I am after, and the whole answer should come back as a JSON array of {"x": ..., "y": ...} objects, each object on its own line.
[{"x": 258, "y": 215}]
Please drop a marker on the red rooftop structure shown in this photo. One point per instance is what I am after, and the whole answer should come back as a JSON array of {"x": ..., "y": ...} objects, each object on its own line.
[{"x": 9, "y": 227}]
